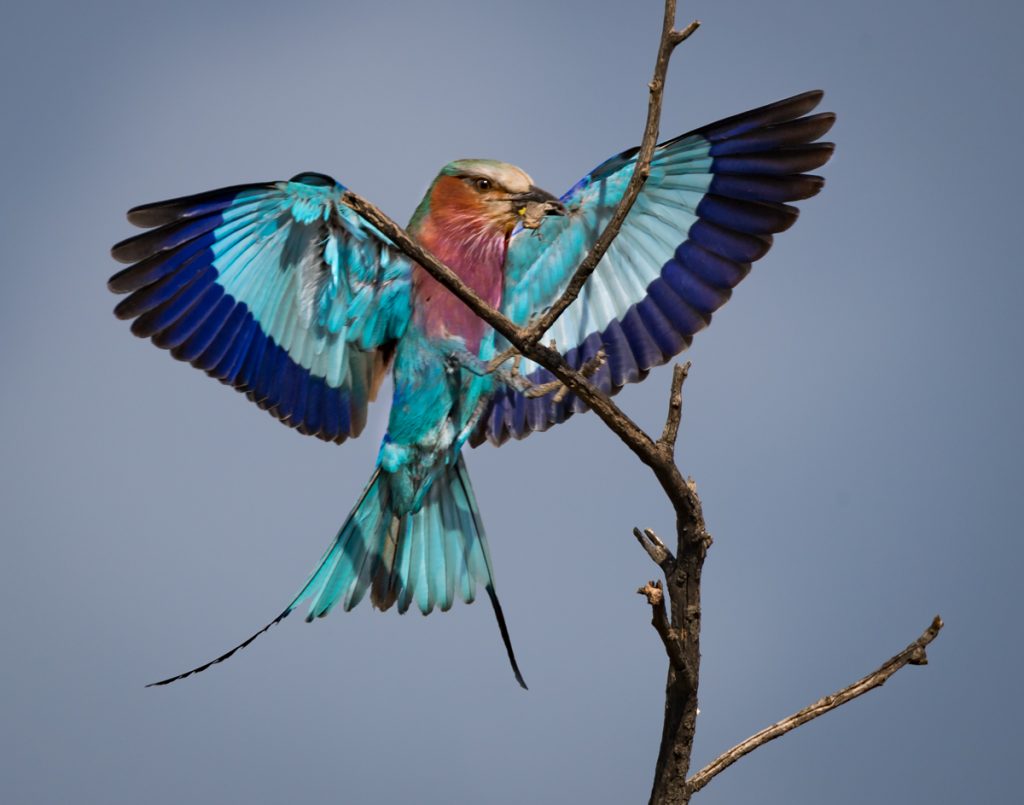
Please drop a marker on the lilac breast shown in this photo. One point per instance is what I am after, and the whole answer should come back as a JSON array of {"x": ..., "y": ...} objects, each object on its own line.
[{"x": 479, "y": 260}]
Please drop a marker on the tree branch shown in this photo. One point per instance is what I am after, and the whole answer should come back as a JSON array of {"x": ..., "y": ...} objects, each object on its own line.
[
  {"x": 678, "y": 37},
  {"x": 914, "y": 654},
  {"x": 655, "y": 595},
  {"x": 667, "y": 442},
  {"x": 655, "y": 548},
  {"x": 670, "y": 39}
]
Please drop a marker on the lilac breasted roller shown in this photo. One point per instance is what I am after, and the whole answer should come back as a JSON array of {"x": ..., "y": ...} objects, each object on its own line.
[{"x": 285, "y": 293}]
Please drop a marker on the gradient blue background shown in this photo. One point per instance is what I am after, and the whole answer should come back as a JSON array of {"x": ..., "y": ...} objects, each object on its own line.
[{"x": 852, "y": 419}]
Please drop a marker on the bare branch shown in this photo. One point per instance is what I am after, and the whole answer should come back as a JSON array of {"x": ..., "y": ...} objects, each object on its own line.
[
  {"x": 670, "y": 39},
  {"x": 667, "y": 442},
  {"x": 914, "y": 654},
  {"x": 655, "y": 595},
  {"x": 655, "y": 548},
  {"x": 678, "y": 37}
]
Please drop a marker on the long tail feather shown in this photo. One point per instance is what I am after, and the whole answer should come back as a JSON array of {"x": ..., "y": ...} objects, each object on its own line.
[
  {"x": 428, "y": 557},
  {"x": 500, "y": 617},
  {"x": 224, "y": 656}
]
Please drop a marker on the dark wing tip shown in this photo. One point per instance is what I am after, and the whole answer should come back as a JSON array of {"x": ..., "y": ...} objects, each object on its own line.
[
  {"x": 819, "y": 151},
  {"x": 827, "y": 121},
  {"x": 314, "y": 179},
  {"x": 812, "y": 185},
  {"x": 122, "y": 281},
  {"x": 159, "y": 213},
  {"x": 127, "y": 251},
  {"x": 803, "y": 101},
  {"x": 147, "y": 215}
]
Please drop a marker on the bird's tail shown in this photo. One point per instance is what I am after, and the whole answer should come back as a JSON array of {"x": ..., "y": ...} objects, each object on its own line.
[{"x": 430, "y": 557}]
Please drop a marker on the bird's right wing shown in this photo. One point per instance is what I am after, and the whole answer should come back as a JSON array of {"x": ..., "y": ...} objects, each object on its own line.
[
  {"x": 714, "y": 199},
  {"x": 278, "y": 289}
]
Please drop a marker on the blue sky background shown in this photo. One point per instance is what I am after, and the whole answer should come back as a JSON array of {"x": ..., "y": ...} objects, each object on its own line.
[{"x": 852, "y": 419}]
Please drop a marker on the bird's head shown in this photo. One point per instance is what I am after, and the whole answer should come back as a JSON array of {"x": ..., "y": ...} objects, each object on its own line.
[{"x": 490, "y": 194}]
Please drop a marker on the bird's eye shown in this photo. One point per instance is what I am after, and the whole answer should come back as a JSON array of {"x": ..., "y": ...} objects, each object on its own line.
[{"x": 482, "y": 184}]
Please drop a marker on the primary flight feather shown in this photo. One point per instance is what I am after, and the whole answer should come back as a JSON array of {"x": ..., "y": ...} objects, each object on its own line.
[{"x": 282, "y": 291}]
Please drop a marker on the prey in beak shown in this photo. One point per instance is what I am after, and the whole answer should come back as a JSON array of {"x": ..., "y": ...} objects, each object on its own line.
[{"x": 534, "y": 205}]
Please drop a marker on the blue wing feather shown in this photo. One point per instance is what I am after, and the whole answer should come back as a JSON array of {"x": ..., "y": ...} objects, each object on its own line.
[
  {"x": 710, "y": 207},
  {"x": 277, "y": 289}
]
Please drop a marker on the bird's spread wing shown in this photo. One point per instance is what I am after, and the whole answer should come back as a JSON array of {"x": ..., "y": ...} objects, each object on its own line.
[
  {"x": 277, "y": 289},
  {"x": 714, "y": 198}
]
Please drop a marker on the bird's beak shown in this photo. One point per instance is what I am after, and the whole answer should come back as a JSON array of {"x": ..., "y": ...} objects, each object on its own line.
[{"x": 535, "y": 204}]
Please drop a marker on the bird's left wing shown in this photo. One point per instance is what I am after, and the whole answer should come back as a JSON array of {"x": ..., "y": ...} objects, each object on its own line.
[
  {"x": 277, "y": 289},
  {"x": 712, "y": 202}
]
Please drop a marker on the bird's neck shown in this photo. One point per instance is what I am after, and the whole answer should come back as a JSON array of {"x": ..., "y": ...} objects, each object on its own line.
[{"x": 473, "y": 249}]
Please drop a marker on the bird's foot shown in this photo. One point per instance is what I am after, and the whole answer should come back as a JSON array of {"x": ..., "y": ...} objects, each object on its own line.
[
  {"x": 559, "y": 388},
  {"x": 528, "y": 388},
  {"x": 511, "y": 353}
]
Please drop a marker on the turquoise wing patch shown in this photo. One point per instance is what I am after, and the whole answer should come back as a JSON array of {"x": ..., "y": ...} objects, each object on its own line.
[{"x": 277, "y": 289}]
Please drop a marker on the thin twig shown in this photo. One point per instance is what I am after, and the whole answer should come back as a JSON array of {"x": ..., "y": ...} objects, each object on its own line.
[
  {"x": 670, "y": 39},
  {"x": 667, "y": 442},
  {"x": 678, "y": 37},
  {"x": 914, "y": 654},
  {"x": 655, "y": 595},
  {"x": 501, "y": 357}
]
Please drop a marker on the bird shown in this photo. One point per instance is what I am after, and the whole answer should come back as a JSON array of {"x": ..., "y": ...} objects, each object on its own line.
[{"x": 283, "y": 291}]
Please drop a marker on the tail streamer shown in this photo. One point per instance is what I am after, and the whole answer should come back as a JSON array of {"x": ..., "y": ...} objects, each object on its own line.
[
  {"x": 222, "y": 657},
  {"x": 428, "y": 558},
  {"x": 496, "y": 605}
]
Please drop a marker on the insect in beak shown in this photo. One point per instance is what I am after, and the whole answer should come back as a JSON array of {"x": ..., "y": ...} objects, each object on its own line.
[{"x": 536, "y": 204}]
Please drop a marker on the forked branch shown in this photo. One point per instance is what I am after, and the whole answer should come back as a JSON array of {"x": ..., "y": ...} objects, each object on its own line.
[
  {"x": 656, "y": 549},
  {"x": 667, "y": 442}
]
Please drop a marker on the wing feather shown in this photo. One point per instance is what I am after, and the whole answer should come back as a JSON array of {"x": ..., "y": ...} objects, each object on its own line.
[
  {"x": 277, "y": 289},
  {"x": 713, "y": 201}
]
